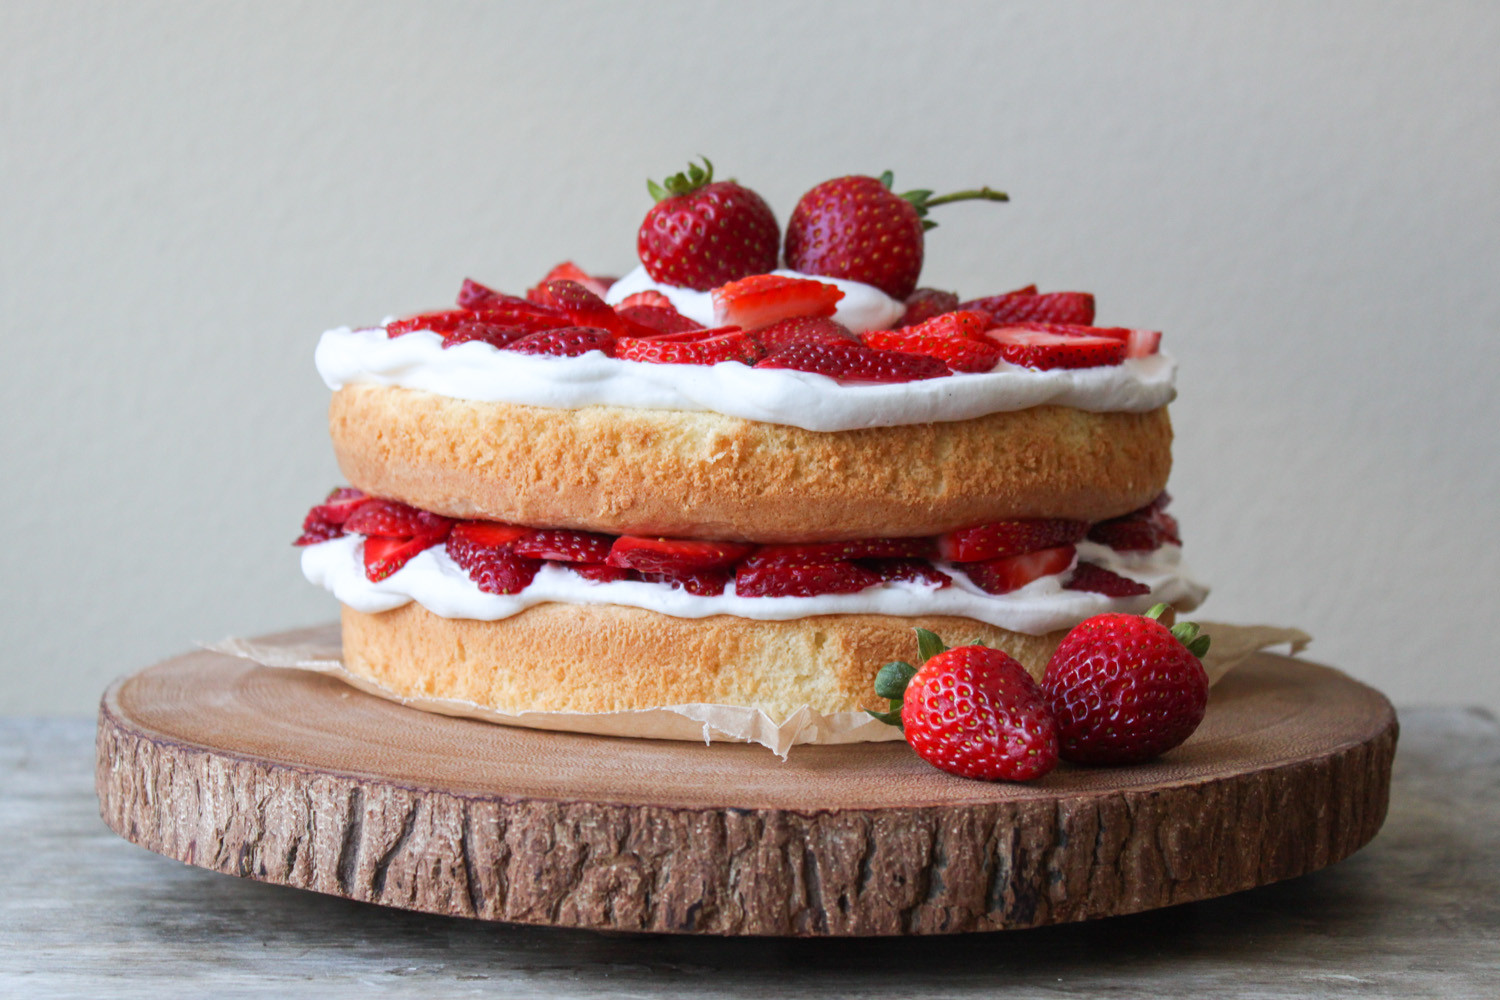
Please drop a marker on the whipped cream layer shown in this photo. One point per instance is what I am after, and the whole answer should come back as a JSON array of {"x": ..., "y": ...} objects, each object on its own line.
[
  {"x": 863, "y": 307},
  {"x": 437, "y": 583},
  {"x": 476, "y": 371}
]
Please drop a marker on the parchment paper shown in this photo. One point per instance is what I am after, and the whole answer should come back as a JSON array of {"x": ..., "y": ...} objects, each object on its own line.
[{"x": 1231, "y": 645}]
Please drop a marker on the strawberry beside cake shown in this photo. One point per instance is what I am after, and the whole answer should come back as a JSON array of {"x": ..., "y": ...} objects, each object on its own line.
[{"x": 716, "y": 481}]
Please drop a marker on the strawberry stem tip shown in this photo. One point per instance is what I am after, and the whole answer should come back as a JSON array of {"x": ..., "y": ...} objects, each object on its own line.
[
  {"x": 692, "y": 179},
  {"x": 1187, "y": 633},
  {"x": 922, "y": 199}
]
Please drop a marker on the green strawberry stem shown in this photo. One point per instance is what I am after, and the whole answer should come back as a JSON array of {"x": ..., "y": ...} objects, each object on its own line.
[
  {"x": 687, "y": 182},
  {"x": 1187, "y": 633},
  {"x": 891, "y": 681},
  {"x": 922, "y": 199}
]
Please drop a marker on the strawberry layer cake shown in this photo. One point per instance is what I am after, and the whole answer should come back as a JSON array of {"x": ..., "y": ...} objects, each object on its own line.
[{"x": 741, "y": 474}]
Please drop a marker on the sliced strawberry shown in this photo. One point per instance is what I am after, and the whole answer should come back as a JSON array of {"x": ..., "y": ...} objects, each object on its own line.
[
  {"x": 662, "y": 320},
  {"x": 1001, "y": 576},
  {"x": 692, "y": 347},
  {"x": 327, "y": 519},
  {"x": 855, "y": 363},
  {"x": 315, "y": 530},
  {"x": 471, "y": 295},
  {"x": 599, "y": 572},
  {"x": 804, "y": 330},
  {"x": 925, "y": 303},
  {"x": 1043, "y": 350},
  {"x": 383, "y": 556},
  {"x": 1009, "y": 538},
  {"x": 1025, "y": 306},
  {"x": 650, "y": 297},
  {"x": 1141, "y": 530},
  {"x": 563, "y": 545},
  {"x": 442, "y": 321},
  {"x": 863, "y": 548},
  {"x": 912, "y": 570},
  {"x": 508, "y": 310},
  {"x": 762, "y": 299},
  {"x": 708, "y": 582},
  {"x": 673, "y": 555},
  {"x": 393, "y": 519},
  {"x": 756, "y": 577},
  {"x": 569, "y": 271},
  {"x": 496, "y": 569},
  {"x": 580, "y": 305},
  {"x": 958, "y": 352},
  {"x": 1098, "y": 580},
  {"x": 1138, "y": 343},
  {"x": 484, "y": 333},
  {"x": 568, "y": 342},
  {"x": 490, "y": 534}
]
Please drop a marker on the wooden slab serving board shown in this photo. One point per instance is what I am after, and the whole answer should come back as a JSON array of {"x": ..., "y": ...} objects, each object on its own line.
[{"x": 291, "y": 777}]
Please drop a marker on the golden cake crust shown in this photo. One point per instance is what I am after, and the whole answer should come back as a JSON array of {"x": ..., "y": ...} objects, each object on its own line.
[
  {"x": 605, "y": 658},
  {"x": 705, "y": 475}
]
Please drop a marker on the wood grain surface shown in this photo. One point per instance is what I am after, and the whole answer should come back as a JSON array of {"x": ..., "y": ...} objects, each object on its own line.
[{"x": 294, "y": 778}]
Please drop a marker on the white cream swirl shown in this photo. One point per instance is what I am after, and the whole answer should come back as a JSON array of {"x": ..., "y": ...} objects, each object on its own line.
[
  {"x": 479, "y": 372},
  {"x": 437, "y": 583}
]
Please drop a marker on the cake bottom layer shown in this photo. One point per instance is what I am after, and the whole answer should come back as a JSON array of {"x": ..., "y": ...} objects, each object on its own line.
[{"x": 606, "y": 658}]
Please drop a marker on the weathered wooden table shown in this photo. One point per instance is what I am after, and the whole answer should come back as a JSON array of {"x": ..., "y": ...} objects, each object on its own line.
[{"x": 1414, "y": 914}]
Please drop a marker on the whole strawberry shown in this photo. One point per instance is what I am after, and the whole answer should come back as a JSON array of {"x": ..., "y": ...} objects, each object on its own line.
[
  {"x": 1125, "y": 688},
  {"x": 704, "y": 233},
  {"x": 858, "y": 228},
  {"x": 971, "y": 711}
]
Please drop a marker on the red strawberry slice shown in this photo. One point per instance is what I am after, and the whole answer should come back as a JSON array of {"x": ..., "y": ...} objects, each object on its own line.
[
  {"x": 1001, "y": 576},
  {"x": 393, "y": 519},
  {"x": 1096, "y": 579},
  {"x": 569, "y": 271},
  {"x": 762, "y": 299},
  {"x": 673, "y": 555},
  {"x": 692, "y": 347},
  {"x": 383, "y": 556},
  {"x": 599, "y": 572},
  {"x": 489, "y": 534},
  {"x": 1045, "y": 350},
  {"x": 484, "y": 333},
  {"x": 925, "y": 303},
  {"x": 1009, "y": 538},
  {"x": 662, "y": 320},
  {"x": 496, "y": 569},
  {"x": 756, "y": 577},
  {"x": 913, "y": 570},
  {"x": 967, "y": 323},
  {"x": 568, "y": 342},
  {"x": 327, "y": 519},
  {"x": 442, "y": 321},
  {"x": 576, "y": 302},
  {"x": 471, "y": 294},
  {"x": 958, "y": 352},
  {"x": 855, "y": 363},
  {"x": 804, "y": 330},
  {"x": 650, "y": 297},
  {"x": 563, "y": 545},
  {"x": 1141, "y": 530},
  {"x": 863, "y": 548},
  {"x": 1025, "y": 306},
  {"x": 708, "y": 582},
  {"x": 1138, "y": 343}
]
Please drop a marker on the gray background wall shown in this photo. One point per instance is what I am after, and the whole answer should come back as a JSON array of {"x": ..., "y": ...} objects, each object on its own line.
[{"x": 1303, "y": 196}]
